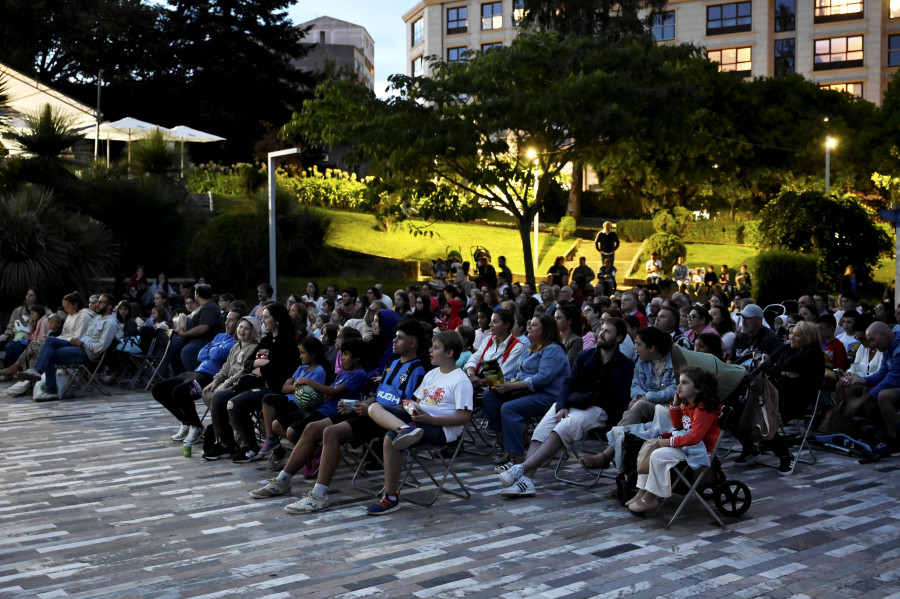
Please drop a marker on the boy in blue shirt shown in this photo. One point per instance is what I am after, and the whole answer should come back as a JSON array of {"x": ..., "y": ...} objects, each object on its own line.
[
  {"x": 399, "y": 381},
  {"x": 348, "y": 384}
]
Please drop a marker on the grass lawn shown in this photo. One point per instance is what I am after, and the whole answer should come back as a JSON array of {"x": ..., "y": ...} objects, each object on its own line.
[
  {"x": 359, "y": 232},
  {"x": 289, "y": 285}
]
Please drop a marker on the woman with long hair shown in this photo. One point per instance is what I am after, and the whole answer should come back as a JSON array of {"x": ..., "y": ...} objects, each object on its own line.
[
  {"x": 723, "y": 324},
  {"x": 568, "y": 321}
]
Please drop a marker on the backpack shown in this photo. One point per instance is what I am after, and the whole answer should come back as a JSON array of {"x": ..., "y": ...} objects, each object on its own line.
[{"x": 761, "y": 419}]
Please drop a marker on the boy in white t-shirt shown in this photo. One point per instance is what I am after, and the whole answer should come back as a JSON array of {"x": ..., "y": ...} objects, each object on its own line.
[{"x": 439, "y": 416}]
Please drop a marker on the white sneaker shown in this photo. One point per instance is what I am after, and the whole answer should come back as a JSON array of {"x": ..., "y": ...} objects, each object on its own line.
[
  {"x": 309, "y": 504},
  {"x": 272, "y": 489},
  {"x": 195, "y": 435},
  {"x": 510, "y": 476},
  {"x": 181, "y": 434},
  {"x": 504, "y": 467},
  {"x": 524, "y": 487}
]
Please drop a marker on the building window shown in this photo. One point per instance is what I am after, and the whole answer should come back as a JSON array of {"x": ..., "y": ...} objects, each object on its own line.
[
  {"x": 663, "y": 26},
  {"x": 732, "y": 59},
  {"x": 457, "y": 20},
  {"x": 894, "y": 50},
  {"x": 851, "y": 88},
  {"x": 894, "y": 9},
  {"x": 418, "y": 66},
  {"x": 491, "y": 46},
  {"x": 456, "y": 54},
  {"x": 519, "y": 11},
  {"x": 418, "y": 31},
  {"x": 829, "y": 11},
  {"x": 839, "y": 53},
  {"x": 492, "y": 15},
  {"x": 784, "y": 57},
  {"x": 728, "y": 18},
  {"x": 785, "y": 15}
]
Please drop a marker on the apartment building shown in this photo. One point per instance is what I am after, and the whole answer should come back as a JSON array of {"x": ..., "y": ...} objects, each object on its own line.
[
  {"x": 341, "y": 49},
  {"x": 849, "y": 45}
]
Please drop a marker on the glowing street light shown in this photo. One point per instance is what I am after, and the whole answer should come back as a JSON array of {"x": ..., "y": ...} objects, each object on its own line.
[{"x": 830, "y": 144}]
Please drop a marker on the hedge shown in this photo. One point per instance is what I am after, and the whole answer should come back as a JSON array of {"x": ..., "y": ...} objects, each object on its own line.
[
  {"x": 711, "y": 231},
  {"x": 782, "y": 274}
]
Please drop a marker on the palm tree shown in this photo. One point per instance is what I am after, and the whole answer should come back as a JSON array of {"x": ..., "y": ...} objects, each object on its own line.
[
  {"x": 43, "y": 245},
  {"x": 49, "y": 143},
  {"x": 155, "y": 155}
]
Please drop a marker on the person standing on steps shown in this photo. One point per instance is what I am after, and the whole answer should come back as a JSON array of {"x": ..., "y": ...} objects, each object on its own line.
[{"x": 607, "y": 242}]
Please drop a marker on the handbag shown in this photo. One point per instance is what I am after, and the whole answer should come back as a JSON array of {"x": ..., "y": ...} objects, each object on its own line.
[
  {"x": 643, "y": 458},
  {"x": 129, "y": 345},
  {"x": 761, "y": 419}
]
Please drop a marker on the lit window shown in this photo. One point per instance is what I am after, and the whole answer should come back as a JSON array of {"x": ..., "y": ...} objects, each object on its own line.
[
  {"x": 663, "y": 26},
  {"x": 456, "y": 54},
  {"x": 418, "y": 66},
  {"x": 828, "y": 11},
  {"x": 838, "y": 53},
  {"x": 491, "y": 46},
  {"x": 728, "y": 18},
  {"x": 519, "y": 11},
  {"x": 893, "y": 50},
  {"x": 851, "y": 88},
  {"x": 895, "y": 9},
  {"x": 457, "y": 20},
  {"x": 785, "y": 15},
  {"x": 732, "y": 59},
  {"x": 492, "y": 15},
  {"x": 418, "y": 31},
  {"x": 785, "y": 57}
]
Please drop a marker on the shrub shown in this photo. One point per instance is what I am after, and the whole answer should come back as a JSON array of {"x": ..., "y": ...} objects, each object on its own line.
[
  {"x": 634, "y": 230},
  {"x": 331, "y": 189},
  {"x": 43, "y": 245},
  {"x": 567, "y": 226},
  {"x": 715, "y": 231},
  {"x": 664, "y": 222},
  {"x": 837, "y": 231},
  {"x": 233, "y": 247},
  {"x": 676, "y": 221},
  {"x": 668, "y": 247},
  {"x": 781, "y": 274}
]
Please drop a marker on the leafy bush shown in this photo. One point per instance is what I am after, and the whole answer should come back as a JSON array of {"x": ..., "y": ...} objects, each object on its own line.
[
  {"x": 43, "y": 245},
  {"x": 837, "y": 231},
  {"x": 155, "y": 155},
  {"x": 223, "y": 180},
  {"x": 331, "y": 189},
  {"x": 782, "y": 274},
  {"x": 233, "y": 247},
  {"x": 676, "y": 221},
  {"x": 567, "y": 226},
  {"x": 668, "y": 247},
  {"x": 634, "y": 230}
]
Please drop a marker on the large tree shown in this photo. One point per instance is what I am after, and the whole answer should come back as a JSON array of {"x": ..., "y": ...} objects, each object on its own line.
[{"x": 472, "y": 124}]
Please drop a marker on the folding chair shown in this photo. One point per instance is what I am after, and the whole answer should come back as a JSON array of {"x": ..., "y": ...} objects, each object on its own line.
[
  {"x": 85, "y": 376},
  {"x": 596, "y": 434},
  {"x": 477, "y": 431},
  {"x": 804, "y": 434},
  {"x": 153, "y": 360},
  {"x": 702, "y": 475},
  {"x": 418, "y": 456}
]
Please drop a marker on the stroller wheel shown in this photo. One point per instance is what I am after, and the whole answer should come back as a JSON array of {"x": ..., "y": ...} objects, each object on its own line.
[{"x": 732, "y": 498}]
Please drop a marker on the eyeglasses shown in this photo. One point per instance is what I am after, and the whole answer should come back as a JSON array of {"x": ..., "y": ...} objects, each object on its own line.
[{"x": 693, "y": 316}]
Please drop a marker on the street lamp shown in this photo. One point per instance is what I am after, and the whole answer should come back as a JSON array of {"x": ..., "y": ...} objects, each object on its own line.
[
  {"x": 830, "y": 143},
  {"x": 273, "y": 274}
]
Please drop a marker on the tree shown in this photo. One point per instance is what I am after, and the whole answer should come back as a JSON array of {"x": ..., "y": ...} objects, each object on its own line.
[
  {"x": 836, "y": 230},
  {"x": 502, "y": 126}
]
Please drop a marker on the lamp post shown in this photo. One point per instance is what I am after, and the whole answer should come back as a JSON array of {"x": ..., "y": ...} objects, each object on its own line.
[
  {"x": 830, "y": 143},
  {"x": 273, "y": 275}
]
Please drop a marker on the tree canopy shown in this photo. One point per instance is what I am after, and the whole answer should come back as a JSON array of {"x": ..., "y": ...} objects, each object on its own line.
[{"x": 503, "y": 125}]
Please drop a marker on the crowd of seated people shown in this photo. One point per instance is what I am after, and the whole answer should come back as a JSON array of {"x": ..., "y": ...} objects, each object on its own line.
[{"x": 547, "y": 365}]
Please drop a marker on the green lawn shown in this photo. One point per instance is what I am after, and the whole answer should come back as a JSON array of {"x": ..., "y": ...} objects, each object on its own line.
[
  {"x": 359, "y": 232},
  {"x": 708, "y": 254}
]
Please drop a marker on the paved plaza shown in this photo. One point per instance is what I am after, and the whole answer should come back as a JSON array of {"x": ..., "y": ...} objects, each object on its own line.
[{"x": 98, "y": 502}]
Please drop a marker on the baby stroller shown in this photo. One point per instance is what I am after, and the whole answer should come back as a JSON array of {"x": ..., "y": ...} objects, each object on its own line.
[{"x": 731, "y": 497}]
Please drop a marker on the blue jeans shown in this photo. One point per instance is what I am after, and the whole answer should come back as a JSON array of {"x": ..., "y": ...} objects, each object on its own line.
[
  {"x": 57, "y": 352},
  {"x": 515, "y": 412},
  {"x": 183, "y": 356}
]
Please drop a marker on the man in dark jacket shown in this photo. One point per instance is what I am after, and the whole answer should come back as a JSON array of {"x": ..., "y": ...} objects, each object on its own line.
[
  {"x": 607, "y": 242},
  {"x": 598, "y": 390}
]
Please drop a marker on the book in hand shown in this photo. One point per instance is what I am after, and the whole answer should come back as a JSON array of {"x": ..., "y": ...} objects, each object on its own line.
[{"x": 491, "y": 372}]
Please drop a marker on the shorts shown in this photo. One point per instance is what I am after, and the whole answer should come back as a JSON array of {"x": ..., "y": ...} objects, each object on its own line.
[{"x": 572, "y": 429}]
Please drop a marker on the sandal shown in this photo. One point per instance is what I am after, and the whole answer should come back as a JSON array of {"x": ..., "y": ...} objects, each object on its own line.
[{"x": 590, "y": 463}]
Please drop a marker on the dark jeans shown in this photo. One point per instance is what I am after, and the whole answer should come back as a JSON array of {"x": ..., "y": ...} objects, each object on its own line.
[
  {"x": 241, "y": 409},
  {"x": 175, "y": 395},
  {"x": 182, "y": 356},
  {"x": 13, "y": 351}
]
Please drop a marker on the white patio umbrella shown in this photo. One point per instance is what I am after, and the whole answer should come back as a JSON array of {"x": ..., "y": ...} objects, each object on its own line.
[
  {"x": 182, "y": 133},
  {"x": 126, "y": 129}
]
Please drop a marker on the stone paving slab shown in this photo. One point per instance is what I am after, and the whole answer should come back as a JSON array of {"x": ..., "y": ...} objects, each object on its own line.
[{"x": 97, "y": 502}]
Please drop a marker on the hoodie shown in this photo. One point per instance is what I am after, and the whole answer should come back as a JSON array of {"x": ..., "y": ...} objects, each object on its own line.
[
  {"x": 449, "y": 323},
  {"x": 240, "y": 359}
]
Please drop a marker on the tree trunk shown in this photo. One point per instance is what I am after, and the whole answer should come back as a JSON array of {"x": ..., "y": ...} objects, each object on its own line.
[
  {"x": 577, "y": 192},
  {"x": 525, "y": 223}
]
